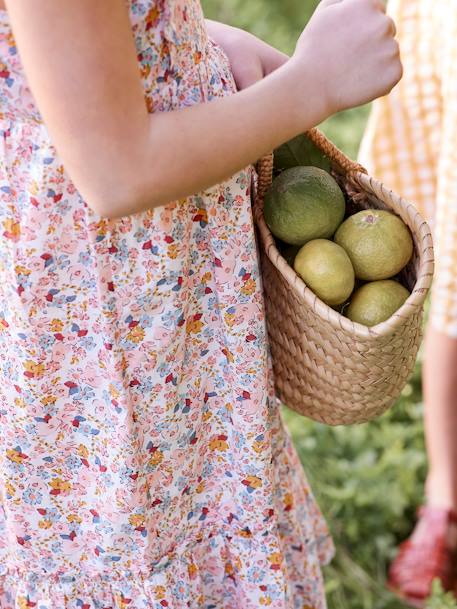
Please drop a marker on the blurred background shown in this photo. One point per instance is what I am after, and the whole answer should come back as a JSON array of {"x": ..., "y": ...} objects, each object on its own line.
[{"x": 368, "y": 478}]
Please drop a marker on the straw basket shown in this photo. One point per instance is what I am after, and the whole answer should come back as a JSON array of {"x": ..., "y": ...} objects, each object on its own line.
[{"x": 325, "y": 366}]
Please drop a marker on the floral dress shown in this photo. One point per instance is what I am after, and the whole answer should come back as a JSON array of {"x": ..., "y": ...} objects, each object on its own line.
[{"x": 143, "y": 462}]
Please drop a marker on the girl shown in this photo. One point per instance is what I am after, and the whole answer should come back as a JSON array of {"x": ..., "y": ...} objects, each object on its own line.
[
  {"x": 143, "y": 459},
  {"x": 411, "y": 144}
]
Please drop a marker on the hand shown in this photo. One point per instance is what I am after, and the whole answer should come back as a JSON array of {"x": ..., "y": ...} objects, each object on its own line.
[
  {"x": 251, "y": 59},
  {"x": 349, "y": 46}
]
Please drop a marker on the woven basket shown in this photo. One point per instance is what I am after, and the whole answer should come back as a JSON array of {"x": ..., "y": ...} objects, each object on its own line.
[{"x": 327, "y": 367}]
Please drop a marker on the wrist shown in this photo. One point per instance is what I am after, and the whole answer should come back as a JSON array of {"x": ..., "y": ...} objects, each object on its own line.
[{"x": 308, "y": 104}]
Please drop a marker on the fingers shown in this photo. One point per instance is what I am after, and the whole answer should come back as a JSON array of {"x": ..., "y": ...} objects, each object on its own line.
[
  {"x": 392, "y": 27},
  {"x": 325, "y": 3},
  {"x": 381, "y": 5}
]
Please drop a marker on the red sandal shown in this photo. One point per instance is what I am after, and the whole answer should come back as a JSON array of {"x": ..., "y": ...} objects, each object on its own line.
[{"x": 424, "y": 557}]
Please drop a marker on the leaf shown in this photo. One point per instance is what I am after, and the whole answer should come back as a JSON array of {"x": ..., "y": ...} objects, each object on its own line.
[
  {"x": 300, "y": 151},
  {"x": 440, "y": 599}
]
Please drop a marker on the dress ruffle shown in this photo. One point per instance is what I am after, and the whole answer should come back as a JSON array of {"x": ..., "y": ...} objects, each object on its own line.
[
  {"x": 183, "y": 582},
  {"x": 279, "y": 568}
]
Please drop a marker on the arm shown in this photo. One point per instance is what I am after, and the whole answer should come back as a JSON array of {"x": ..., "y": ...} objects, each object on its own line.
[
  {"x": 251, "y": 59},
  {"x": 84, "y": 75}
]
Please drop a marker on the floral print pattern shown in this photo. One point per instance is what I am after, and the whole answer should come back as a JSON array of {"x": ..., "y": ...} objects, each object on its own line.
[{"x": 143, "y": 461}]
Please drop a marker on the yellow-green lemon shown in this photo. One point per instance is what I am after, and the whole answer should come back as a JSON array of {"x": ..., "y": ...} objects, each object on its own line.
[
  {"x": 378, "y": 243},
  {"x": 376, "y": 301},
  {"x": 326, "y": 269}
]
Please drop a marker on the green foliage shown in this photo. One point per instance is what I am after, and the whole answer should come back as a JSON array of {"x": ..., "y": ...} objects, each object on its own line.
[
  {"x": 369, "y": 478},
  {"x": 279, "y": 22},
  {"x": 440, "y": 599}
]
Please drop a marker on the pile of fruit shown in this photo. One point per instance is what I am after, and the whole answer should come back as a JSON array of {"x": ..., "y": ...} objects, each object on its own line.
[{"x": 350, "y": 262}]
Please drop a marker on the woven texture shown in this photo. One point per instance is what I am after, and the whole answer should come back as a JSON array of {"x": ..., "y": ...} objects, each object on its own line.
[{"x": 327, "y": 367}]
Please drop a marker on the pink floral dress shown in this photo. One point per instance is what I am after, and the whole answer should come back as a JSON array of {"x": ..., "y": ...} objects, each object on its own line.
[{"x": 143, "y": 462}]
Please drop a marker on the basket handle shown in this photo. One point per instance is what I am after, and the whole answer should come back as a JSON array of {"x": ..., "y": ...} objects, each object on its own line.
[
  {"x": 334, "y": 153},
  {"x": 265, "y": 175},
  {"x": 265, "y": 164}
]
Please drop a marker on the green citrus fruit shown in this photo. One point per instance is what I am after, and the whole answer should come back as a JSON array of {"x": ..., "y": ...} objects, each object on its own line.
[
  {"x": 378, "y": 243},
  {"x": 327, "y": 270},
  {"x": 304, "y": 203},
  {"x": 375, "y": 302}
]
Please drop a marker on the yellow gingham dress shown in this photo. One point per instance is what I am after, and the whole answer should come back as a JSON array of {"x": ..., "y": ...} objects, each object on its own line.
[{"x": 411, "y": 139}]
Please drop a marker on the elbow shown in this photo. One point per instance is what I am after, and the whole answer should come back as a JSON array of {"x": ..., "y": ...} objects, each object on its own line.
[
  {"x": 112, "y": 209},
  {"x": 121, "y": 201},
  {"x": 115, "y": 186},
  {"x": 118, "y": 186}
]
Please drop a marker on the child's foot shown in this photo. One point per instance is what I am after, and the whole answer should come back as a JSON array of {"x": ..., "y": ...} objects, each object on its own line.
[{"x": 429, "y": 553}]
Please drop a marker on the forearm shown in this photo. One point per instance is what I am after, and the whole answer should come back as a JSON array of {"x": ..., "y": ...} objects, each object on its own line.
[
  {"x": 188, "y": 151},
  {"x": 84, "y": 75}
]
